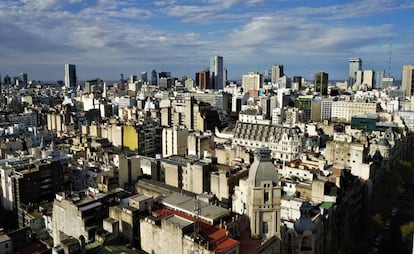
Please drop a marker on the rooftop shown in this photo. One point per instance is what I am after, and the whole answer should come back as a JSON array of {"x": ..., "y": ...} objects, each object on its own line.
[
  {"x": 177, "y": 220},
  {"x": 216, "y": 236},
  {"x": 4, "y": 238},
  {"x": 209, "y": 213}
]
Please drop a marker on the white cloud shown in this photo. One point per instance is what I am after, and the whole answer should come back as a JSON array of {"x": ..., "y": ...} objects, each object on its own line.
[{"x": 122, "y": 33}]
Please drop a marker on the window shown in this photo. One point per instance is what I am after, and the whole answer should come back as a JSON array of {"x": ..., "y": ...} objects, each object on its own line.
[
  {"x": 266, "y": 196},
  {"x": 265, "y": 228}
]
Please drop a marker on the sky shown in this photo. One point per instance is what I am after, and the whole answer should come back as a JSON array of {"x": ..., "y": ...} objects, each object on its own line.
[{"x": 105, "y": 38}]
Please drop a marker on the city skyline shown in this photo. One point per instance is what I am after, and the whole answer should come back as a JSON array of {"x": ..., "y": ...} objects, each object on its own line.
[{"x": 105, "y": 38}]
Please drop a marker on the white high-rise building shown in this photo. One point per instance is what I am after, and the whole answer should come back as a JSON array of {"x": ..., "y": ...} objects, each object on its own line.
[
  {"x": 277, "y": 73},
  {"x": 70, "y": 75},
  {"x": 407, "y": 81},
  {"x": 252, "y": 81},
  {"x": 368, "y": 78},
  {"x": 217, "y": 75}
]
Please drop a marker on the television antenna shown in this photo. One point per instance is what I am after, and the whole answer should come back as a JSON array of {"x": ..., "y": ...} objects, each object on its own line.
[{"x": 389, "y": 58}]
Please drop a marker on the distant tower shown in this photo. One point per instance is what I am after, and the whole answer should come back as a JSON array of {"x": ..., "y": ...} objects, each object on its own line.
[
  {"x": 217, "y": 75},
  {"x": 407, "y": 80},
  {"x": 321, "y": 83},
  {"x": 154, "y": 77},
  {"x": 277, "y": 73},
  {"x": 70, "y": 75},
  {"x": 203, "y": 79},
  {"x": 379, "y": 75},
  {"x": 368, "y": 78},
  {"x": 7, "y": 81},
  {"x": 355, "y": 64},
  {"x": 144, "y": 77},
  {"x": 23, "y": 80}
]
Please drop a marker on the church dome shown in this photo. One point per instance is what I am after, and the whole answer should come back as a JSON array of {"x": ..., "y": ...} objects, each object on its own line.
[
  {"x": 305, "y": 222},
  {"x": 262, "y": 169}
]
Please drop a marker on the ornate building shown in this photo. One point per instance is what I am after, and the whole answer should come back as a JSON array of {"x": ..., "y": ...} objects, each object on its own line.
[
  {"x": 303, "y": 237},
  {"x": 258, "y": 196},
  {"x": 285, "y": 142},
  {"x": 263, "y": 196}
]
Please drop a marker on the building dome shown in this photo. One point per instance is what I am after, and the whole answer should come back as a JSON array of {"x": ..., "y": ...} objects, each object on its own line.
[
  {"x": 383, "y": 142},
  {"x": 262, "y": 169},
  {"x": 305, "y": 222}
]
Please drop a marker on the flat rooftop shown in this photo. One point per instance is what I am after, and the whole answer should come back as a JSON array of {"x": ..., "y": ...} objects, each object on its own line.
[
  {"x": 177, "y": 220},
  {"x": 215, "y": 235},
  {"x": 209, "y": 213}
]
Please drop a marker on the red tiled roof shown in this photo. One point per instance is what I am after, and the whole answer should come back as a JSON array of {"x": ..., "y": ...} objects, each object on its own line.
[{"x": 215, "y": 235}]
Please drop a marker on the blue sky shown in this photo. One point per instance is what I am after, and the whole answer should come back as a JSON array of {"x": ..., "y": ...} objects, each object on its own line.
[{"x": 106, "y": 37}]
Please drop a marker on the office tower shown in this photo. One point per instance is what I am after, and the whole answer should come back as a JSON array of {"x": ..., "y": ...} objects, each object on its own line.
[
  {"x": 133, "y": 78},
  {"x": 144, "y": 77},
  {"x": 7, "y": 81},
  {"x": 355, "y": 64},
  {"x": 267, "y": 75},
  {"x": 297, "y": 83},
  {"x": 154, "y": 77},
  {"x": 321, "y": 83},
  {"x": 203, "y": 79},
  {"x": 164, "y": 74},
  {"x": 379, "y": 75},
  {"x": 23, "y": 78},
  {"x": 252, "y": 81},
  {"x": 407, "y": 81},
  {"x": 388, "y": 82},
  {"x": 368, "y": 78},
  {"x": 70, "y": 75},
  {"x": 358, "y": 79},
  {"x": 217, "y": 76},
  {"x": 277, "y": 73}
]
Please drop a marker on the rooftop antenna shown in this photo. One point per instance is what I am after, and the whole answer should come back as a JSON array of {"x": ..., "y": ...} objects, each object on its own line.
[
  {"x": 196, "y": 234},
  {"x": 197, "y": 212},
  {"x": 389, "y": 58}
]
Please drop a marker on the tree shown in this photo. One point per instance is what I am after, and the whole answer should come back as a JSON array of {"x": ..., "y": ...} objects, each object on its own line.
[
  {"x": 407, "y": 231},
  {"x": 378, "y": 222}
]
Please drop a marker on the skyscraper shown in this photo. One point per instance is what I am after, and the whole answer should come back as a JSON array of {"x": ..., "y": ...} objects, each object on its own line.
[
  {"x": 217, "y": 76},
  {"x": 277, "y": 73},
  {"x": 203, "y": 79},
  {"x": 321, "y": 83},
  {"x": 154, "y": 77},
  {"x": 368, "y": 78},
  {"x": 23, "y": 78},
  {"x": 70, "y": 75},
  {"x": 379, "y": 75},
  {"x": 144, "y": 77},
  {"x": 407, "y": 81},
  {"x": 355, "y": 64},
  {"x": 252, "y": 81}
]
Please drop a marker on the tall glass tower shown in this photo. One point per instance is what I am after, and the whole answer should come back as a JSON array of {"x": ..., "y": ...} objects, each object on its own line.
[
  {"x": 355, "y": 65},
  {"x": 217, "y": 78},
  {"x": 379, "y": 75},
  {"x": 70, "y": 75}
]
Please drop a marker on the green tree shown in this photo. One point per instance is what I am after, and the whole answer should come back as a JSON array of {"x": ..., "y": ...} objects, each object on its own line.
[
  {"x": 378, "y": 222},
  {"x": 407, "y": 231}
]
